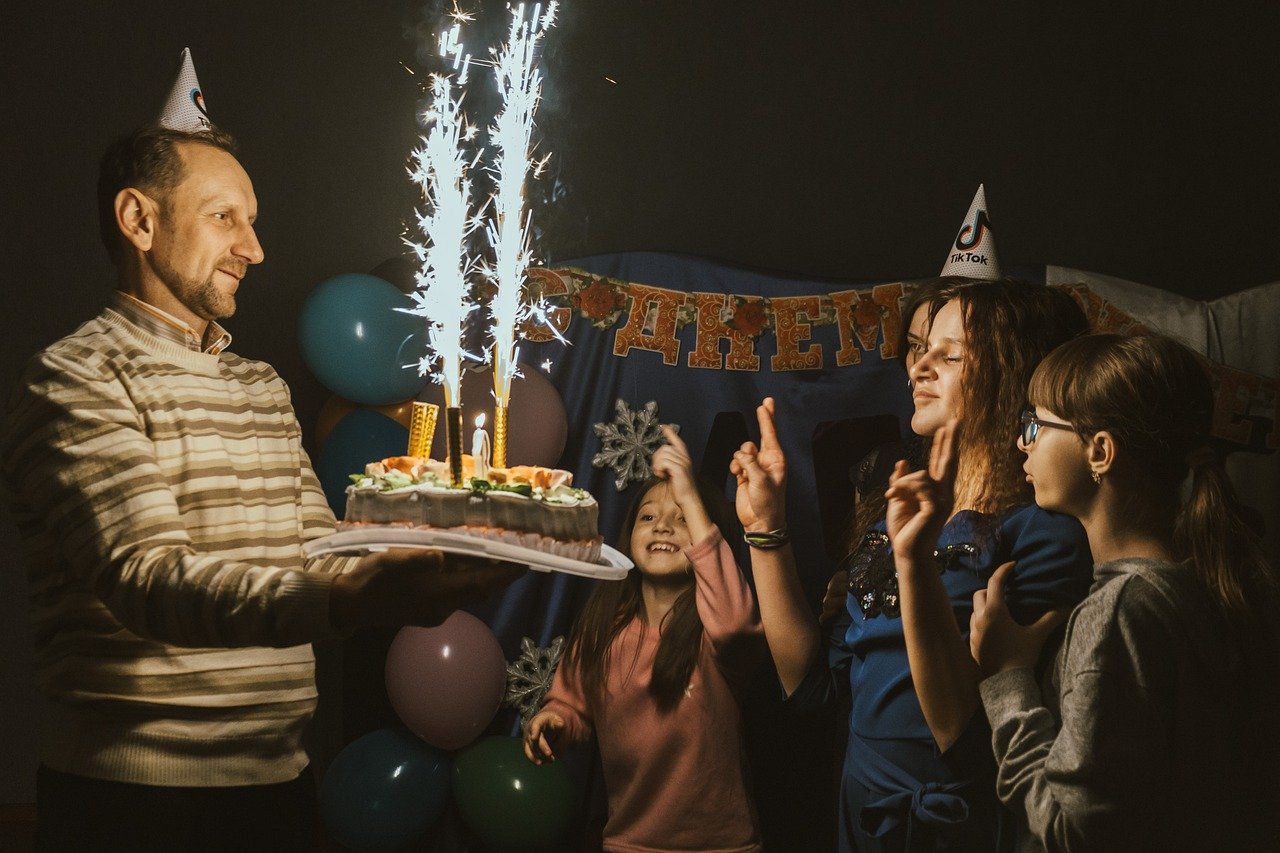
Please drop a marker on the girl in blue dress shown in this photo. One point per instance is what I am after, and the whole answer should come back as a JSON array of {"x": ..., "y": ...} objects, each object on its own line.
[{"x": 918, "y": 771}]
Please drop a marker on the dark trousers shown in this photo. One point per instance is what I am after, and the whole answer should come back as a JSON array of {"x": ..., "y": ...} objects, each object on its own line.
[{"x": 76, "y": 813}]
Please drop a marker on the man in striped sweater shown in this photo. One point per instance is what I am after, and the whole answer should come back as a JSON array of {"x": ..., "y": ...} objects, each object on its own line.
[{"x": 163, "y": 496}]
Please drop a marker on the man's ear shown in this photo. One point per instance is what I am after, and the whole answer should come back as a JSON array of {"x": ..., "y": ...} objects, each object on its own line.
[
  {"x": 136, "y": 217},
  {"x": 1101, "y": 448}
]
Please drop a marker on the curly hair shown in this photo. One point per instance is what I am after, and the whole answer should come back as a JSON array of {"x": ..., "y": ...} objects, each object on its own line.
[{"x": 1009, "y": 327}]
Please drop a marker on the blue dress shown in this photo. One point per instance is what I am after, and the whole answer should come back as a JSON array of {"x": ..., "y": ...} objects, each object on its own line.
[{"x": 897, "y": 791}]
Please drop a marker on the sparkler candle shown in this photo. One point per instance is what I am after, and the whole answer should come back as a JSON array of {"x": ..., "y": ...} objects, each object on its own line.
[
  {"x": 520, "y": 83},
  {"x": 500, "y": 435},
  {"x": 453, "y": 434},
  {"x": 422, "y": 429}
]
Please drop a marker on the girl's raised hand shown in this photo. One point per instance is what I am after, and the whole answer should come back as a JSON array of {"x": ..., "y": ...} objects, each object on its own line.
[
  {"x": 762, "y": 476},
  {"x": 536, "y": 746},
  {"x": 996, "y": 641},
  {"x": 920, "y": 502},
  {"x": 672, "y": 463}
]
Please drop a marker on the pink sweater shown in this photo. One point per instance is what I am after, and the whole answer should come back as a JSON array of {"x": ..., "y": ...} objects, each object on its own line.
[{"x": 677, "y": 781}]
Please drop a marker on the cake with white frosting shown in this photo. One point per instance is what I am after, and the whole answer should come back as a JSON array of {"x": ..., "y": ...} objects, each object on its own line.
[{"x": 525, "y": 505}]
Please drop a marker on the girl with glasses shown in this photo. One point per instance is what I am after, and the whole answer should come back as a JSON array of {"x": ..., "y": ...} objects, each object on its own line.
[
  {"x": 918, "y": 771},
  {"x": 1158, "y": 732}
]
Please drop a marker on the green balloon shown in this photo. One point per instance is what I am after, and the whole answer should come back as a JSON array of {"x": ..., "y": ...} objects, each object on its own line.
[{"x": 509, "y": 802}]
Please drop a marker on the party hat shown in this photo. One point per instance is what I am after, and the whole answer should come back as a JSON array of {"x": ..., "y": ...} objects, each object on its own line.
[
  {"x": 974, "y": 252},
  {"x": 184, "y": 110}
]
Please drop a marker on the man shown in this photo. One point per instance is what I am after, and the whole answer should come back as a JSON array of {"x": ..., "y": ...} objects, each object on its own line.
[{"x": 163, "y": 496}]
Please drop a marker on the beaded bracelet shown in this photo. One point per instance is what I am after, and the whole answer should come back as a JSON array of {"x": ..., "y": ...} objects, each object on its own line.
[{"x": 766, "y": 539}]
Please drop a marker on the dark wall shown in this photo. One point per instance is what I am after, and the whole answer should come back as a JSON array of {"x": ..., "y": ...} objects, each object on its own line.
[
  {"x": 836, "y": 139},
  {"x": 831, "y": 139}
]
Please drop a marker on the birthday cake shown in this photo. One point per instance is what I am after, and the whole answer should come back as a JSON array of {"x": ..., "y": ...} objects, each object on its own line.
[{"x": 524, "y": 505}]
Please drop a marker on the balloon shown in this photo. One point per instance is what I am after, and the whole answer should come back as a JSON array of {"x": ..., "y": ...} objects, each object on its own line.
[
  {"x": 362, "y": 436},
  {"x": 357, "y": 344},
  {"x": 537, "y": 425},
  {"x": 336, "y": 408},
  {"x": 384, "y": 790},
  {"x": 507, "y": 800},
  {"x": 447, "y": 682},
  {"x": 400, "y": 271}
]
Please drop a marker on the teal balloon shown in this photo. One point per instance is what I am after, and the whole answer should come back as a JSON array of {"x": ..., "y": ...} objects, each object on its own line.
[
  {"x": 361, "y": 437},
  {"x": 357, "y": 344},
  {"x": 384, "y": 790},
  {"x": 510, "y": 803}
]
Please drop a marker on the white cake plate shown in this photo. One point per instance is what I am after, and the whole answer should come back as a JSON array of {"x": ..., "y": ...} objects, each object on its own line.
[{"x": 614, "y": 565}]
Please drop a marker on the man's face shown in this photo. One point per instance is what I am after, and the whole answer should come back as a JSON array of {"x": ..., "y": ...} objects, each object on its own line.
[{"x": 204, "y": 240}]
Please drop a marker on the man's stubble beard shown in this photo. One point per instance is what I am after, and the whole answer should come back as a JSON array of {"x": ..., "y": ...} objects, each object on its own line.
[{"x": 202, "y": 298}]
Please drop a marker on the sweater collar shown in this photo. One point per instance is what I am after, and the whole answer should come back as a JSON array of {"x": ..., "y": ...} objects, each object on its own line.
[{"x": 169, "y": 328}]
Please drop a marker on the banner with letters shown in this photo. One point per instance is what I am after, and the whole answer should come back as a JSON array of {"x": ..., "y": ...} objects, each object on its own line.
[{"x": 705, "y": 342}]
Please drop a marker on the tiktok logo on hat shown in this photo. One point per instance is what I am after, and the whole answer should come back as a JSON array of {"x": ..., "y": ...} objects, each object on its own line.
[
  {"x": 184, "y": 110},
  {"x": 974, "y": 252}
]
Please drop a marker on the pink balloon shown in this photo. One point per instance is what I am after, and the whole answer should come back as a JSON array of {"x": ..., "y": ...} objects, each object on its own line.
[
  {"x": 447, "y": 682},
  {"x": 537, "y": 424}
]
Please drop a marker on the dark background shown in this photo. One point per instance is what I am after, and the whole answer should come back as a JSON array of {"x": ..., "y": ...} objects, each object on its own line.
[{"x": 825, "y": 139}]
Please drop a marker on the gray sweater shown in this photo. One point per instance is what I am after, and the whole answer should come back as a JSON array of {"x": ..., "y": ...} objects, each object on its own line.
[{"x": 1161, "y": 741}]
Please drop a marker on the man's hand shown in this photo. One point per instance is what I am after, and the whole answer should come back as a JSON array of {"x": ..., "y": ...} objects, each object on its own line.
[{"x": 412, "y": 586}]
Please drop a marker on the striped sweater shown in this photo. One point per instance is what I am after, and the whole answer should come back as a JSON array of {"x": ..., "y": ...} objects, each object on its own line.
[{"x": 162, "y": 496}]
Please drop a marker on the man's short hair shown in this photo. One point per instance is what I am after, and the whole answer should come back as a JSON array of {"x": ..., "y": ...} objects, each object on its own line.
[{"x": 147, "y": 159}]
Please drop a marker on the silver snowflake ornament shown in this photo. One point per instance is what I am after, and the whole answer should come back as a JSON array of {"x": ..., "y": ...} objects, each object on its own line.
[
  {"x": 627, "y": 443},
  {"x": 529, "y": 676}
]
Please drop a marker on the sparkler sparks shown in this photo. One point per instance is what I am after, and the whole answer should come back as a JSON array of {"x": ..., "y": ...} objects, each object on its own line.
[
  {"x": 440, "y": 168},
  {"x": 520, "y": 83}
]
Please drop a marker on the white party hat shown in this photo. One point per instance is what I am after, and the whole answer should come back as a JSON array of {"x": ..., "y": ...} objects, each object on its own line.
[
  {"x": 185, "y": 108},
  {"x": 974, "y": 252}
]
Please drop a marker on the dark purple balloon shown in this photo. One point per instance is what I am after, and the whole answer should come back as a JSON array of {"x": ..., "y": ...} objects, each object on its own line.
[
  {"x": 537, "y": 426},
  {"x": 447, "y": 682}
]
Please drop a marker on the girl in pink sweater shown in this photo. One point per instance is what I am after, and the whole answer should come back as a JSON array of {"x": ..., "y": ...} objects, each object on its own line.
[{"x": 652, "y": 668}]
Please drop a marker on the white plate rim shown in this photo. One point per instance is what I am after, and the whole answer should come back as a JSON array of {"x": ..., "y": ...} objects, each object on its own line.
[{"x": 381, "y": 538}]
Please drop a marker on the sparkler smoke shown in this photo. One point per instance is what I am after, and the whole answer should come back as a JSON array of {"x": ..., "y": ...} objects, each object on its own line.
[
  {"x": 520, "y": 84},
  {"x": 440, "y": 168}
]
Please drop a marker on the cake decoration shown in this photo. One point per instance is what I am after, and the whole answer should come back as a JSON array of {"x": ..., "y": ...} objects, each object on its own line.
[{"x": 628, "y": 442}]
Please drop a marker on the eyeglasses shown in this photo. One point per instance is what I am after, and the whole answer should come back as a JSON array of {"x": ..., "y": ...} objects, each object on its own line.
[{"x": 1031, "y": 427}]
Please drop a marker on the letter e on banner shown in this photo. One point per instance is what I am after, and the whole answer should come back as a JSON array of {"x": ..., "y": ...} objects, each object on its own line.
[{"x": 792, "y": 317}]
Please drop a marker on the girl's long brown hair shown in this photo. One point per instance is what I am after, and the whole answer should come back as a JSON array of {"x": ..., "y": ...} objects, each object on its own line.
[
  {"x": 1155, "y": 397},
  {"x": 1009, "y": 327},
  {"x": 614, "y": 604}
]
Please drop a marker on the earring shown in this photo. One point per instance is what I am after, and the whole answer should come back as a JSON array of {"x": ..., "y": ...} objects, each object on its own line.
[{"x": 1097, "y": 478}]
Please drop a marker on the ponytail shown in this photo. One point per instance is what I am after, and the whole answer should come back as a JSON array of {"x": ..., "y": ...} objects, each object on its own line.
[
  {"x": 1210, "y": 529},
  {"x": 1155, "y": 397}
]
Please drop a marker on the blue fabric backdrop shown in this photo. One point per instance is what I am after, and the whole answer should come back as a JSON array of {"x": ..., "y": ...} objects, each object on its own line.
[{"x": 591, "y": 379}]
